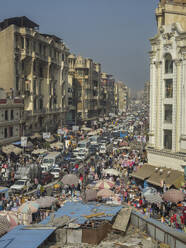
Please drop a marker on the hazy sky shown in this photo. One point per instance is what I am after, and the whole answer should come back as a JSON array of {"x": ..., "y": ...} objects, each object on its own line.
[{"x": 114, "y": 33}]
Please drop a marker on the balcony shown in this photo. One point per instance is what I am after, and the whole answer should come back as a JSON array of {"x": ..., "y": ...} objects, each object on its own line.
[
  {"x": 26, "y": 52},
  {"x": 17, "y": 50},
  {"x": 27, "y": 113}
]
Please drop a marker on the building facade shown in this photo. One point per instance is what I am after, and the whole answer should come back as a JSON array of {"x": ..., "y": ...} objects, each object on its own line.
[
  {"x": 146, "y": 93},
  {"x": 84, "y": 81},
  {"x": 11, "y": 118},
  {"x": 35, "y": 67},
  {"x": 107, "y": 94},
  {"x": 121, "y": 97},
  {"x": 167, "y": 137}
]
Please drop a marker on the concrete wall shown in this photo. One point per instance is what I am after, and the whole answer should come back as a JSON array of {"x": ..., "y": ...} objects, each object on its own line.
[
  {"x": 7, "y": 58},
  {"x": 158, "y": 231},
  {"x": 159, "y": 160}
]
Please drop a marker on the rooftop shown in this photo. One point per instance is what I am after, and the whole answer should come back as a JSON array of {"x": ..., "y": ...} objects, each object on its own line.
[{"x": 22, "y": 21}]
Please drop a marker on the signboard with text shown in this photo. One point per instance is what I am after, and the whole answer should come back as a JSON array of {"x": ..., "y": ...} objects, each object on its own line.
[
  {"x": 75, "y": 128},
  {"x": 60, "y": 131},
  {"x": 23, "y": 141},
  {"x": 46, "y": 135}
]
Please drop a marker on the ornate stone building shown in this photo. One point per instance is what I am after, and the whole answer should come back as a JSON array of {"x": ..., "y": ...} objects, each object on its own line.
[
  {"x": 167, "y": 137},
  {"x": 84, "y": 83},
  {"x": 121, "y": 97},
  {"x": 107, "y": 94},
  {"x": 35, "y": 66}
]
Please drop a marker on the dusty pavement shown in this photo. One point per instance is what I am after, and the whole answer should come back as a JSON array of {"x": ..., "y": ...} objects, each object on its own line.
[{"x": 133, "y": 238}]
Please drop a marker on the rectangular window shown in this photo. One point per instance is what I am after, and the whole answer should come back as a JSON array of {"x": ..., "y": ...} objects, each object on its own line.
[
  {"x": 17, "y": 83},
  {"x": 168, "y": 88},
  {"x": 22, "y": 42},
  {"x": 50, "y": 88},
  {"x": 34, "y": 86},
  {"x": 69, "y": 101},
  {"x": 40, "y": 87},
  {"x": 34, "y": 45},
  {"x": 6, "y": 115},
  {"x": 168, "y": 113},
  {"x": 95, "y": 83},
  {"x": 27, "y": 43},
  {"x": 79, "y": 93},
  {"x": 11, "y": 132},
  {"x": 168, "y": 139},
  {"x": 12, "y": 114},
  {"x": 22, "y": 66},
  {"x": 35, "y": 105},
  {"x": 44, "y": 50},
  {"x": 41, "y": 72},
  {"x": 5, "y": 133},
  {"x": 34, "y": 66},
  {"x": 40, "y": 48},
  {"x": 80, "y": 73}
]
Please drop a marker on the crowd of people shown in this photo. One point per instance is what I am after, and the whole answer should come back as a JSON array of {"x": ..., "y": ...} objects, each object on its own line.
[{"x": 126, "y": 190}]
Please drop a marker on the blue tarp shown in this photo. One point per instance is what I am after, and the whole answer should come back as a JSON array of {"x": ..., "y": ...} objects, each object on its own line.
[
  {"x": 17, "y": 143},
  {"x": 123, "y": 134},
  {"x": 3, "y": 189},
  {"x": 19, "y": 238},
  {"x": 78, "y": 210}
]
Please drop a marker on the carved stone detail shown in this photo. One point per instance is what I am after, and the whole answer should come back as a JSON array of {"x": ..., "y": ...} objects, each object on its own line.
[{"x": 168, "y": 36}]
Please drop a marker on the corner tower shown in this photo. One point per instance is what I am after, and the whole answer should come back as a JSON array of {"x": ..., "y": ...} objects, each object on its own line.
[
  {"x": 171, "y": 11},
  {"x": 167, "y": 136}
]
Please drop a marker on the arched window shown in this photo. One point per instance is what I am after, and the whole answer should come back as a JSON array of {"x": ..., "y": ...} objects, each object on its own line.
[{"x": 168, "y": 64}]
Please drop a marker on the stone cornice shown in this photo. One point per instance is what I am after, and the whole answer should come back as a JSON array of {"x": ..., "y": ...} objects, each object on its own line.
[{"x": 167, "y": 153}]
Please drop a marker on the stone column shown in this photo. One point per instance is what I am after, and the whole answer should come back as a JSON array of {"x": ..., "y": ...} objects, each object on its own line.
[
  {"x": 178, "y": 105},
  {"x": 158, "y": 106},
  {"x": 161, "y": 106},
  {"x": 25, "y": 42},
  {"x": 183, "y": 107},
  {"x": 152, "y": 103}
]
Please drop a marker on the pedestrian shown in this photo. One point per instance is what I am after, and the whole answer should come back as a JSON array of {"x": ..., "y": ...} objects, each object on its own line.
[
  {"x": 38, "y": 190},
  {"x": 126, "y": 195},
  {"x": 42, "y": 189}
]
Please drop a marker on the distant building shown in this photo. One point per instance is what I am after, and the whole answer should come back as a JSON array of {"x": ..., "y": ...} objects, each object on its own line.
[
  {"x": 167, "y": 137},
  {"x": 147, "y": 93},
  {"x": 121, "y": 97},
  {"x": 107, "y": 94},
  {"x": 35, "y": 66},
  {"x": 84, "y": 83},
  {"x": 11, "y": 118}
]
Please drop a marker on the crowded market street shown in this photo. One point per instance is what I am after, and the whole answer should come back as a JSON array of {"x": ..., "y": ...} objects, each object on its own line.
[{"x": 93, "y": 164}]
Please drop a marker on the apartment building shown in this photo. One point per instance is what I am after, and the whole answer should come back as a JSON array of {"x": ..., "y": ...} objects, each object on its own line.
[
  {"x": 121, "y": 97},
  {"x": 167, "y": 137},
  {"x": 84, "y": 85},
  {"x": 35, "y": 67},
  {"x": 107, "y": 94},
  {"x": 11, "y": 118}
]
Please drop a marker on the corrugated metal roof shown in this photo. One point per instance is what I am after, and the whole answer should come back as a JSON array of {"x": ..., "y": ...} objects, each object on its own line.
[
  {"x": 3, "y": 189},
  {"x": 78, "y": 209},
  {"x": 19, "y": 238},
  {"x": 144, "y": 172}
]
